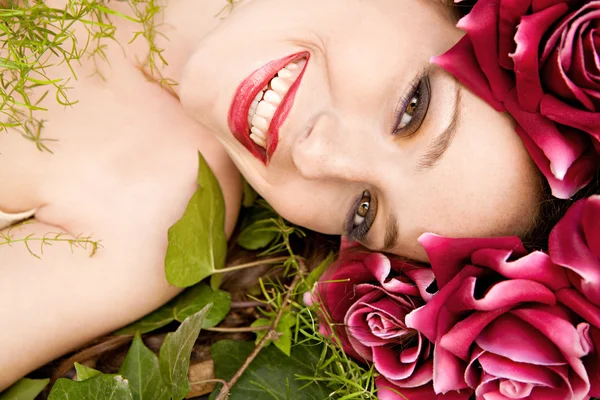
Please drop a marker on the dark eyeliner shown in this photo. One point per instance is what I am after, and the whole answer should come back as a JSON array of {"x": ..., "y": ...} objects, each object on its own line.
[
  {"x": 420, "y": 88},
  {"x": 358, "y": 233}
]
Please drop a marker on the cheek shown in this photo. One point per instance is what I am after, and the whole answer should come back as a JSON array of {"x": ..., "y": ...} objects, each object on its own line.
[{"x": 486, "y": 184}]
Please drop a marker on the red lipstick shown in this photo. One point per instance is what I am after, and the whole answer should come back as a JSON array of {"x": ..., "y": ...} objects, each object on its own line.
[{"x": 245, "y": 94}]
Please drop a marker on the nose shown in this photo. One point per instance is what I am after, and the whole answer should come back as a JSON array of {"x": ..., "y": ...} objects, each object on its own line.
[{"x": 334, "y": 150}]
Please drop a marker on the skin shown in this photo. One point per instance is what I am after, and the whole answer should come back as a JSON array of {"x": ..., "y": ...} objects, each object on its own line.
[
  {"x": 125, "y": 160},
  {"x": 337, "y": 141}
]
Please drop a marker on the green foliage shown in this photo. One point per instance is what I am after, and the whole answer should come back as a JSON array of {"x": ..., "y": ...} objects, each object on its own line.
[
  {"x": 187, "y": 303},
  {"x": 101, "y": 387},
  {"x": 174, "y": 358},
  {"x": 143, "y": 376},
  {"x": 197, "y": 242},
  {"x": 85, "y": 373},
  {"x": 37, "y": 38},
  {"x": 271, "y": 375},
  {"x": 25, "y": 389},
  {"x": 194, "y": 299},
  {"x": 284, "y": 329},
  {"x": 141, "y": 369}
]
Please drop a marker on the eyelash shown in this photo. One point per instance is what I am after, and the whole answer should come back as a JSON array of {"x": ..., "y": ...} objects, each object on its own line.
[{"x": 421, "y": 90}]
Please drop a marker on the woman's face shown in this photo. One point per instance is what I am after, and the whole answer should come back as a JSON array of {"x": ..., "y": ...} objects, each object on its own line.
[{"x": 378, "y": 143}]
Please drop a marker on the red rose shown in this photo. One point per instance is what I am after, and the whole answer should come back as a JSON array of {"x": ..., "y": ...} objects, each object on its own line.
[
  {"x": 540, "y": 61},
  {"x": 365, "y": 297},
  {"x": 496, "y": 323}
]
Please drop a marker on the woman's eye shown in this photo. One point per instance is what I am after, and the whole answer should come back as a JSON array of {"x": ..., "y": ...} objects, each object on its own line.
[
  {"x": 363, "y": 209},
  {"x": 414, "y": 109}
]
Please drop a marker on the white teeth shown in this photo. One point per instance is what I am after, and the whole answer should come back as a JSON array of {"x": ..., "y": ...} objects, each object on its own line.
[
  {"x": 259, "y": 133},
  {"x": 280, "y": 85},
  {"x": 266, "y": 102},
  {"x": 272, "y": 97},
  {"x": 258, "y": 140},
  {"x": 266, "y": 109},
  {"x": 260, "y": 122},
  {"x": 285, "y": 74}
]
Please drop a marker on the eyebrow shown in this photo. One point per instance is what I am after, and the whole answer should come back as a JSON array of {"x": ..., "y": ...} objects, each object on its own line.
[
  {"x": 437, "y": 148},
  {"x": 434, "y": 152}
]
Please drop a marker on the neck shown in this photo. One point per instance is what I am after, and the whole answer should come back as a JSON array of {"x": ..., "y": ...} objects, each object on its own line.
[{"x": 181, "y": 26}]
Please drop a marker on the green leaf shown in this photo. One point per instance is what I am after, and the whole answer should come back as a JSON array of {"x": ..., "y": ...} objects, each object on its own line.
[
  {"x": 316, "y": 273},
  {"x": 101, "y": 387},
  {"x": 24, "y": 389},
  {"x": 269, "y": 374},
  {"x": 257, "y": 235},
  {"x": 249, "y": 195},
  {"x": 155, "y": 320},
  {"x": 141, "y": 369},
  {"x": 284, "y": 327},
  {"x": 258, "y": 227},
  {"x": 197, "y": 242},
  {"x": 196, "y": 298},
  {"x": 174, "y": 358},
  {"x": 84, "y": 372}
]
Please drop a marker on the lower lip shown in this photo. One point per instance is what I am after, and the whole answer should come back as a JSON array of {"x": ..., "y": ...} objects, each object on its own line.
[{"x": 245, "y": 94}]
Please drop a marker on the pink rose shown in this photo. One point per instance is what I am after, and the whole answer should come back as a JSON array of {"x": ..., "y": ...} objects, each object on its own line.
[
  {"x": 496, "y": 323},
  {"x": 574, "y": 243},
  {"x": 365, "y": 297},
  {"x": 540, "y": 61}
]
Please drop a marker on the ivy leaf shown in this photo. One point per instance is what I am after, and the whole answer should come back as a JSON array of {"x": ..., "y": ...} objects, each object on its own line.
[
  {"x": 197, "y": 242},
  {"x": 174, "y": 357},
  {"x": 257, "y": 235},
  {"x": 153, "y": 321},
  {"x": 101, "y": 387},
  {"x": 284, "y": 328},
  {"x": 141, "y": 369},
  {"x": 187, "y": 303},
  {"x": 194, "y": 299},
  {"x": 258, "y": 228},
  {"x": 25, "y": 389},
  {"x": 270, "y": 376},
  {"x": 85, "y": 373}
]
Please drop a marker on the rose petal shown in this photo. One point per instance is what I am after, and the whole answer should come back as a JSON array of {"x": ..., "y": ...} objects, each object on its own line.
[
  {"x": 425, "y": 319},
  {"x": 529, "y": 34},
  {"x": 459, "y": 340},
  {"x": 568, "y": 246},
  {"x": 388, "y": 391},
  {"x": 511, "y": 12},
  {"x": 461, "y": 62},
  {"x": 565, "y": 114},
  {"x": 481, "y": 26},
  {"x": 504, "y": 294},
  {"x": 579, "y": 174},
  {"x": 527, "y": 373},
  {"x": 388, "y": 363},
  {"x": 381, "y": 267},
  {"x": 536, "y": 266},
  {"x": 580, "y": 305},
  {"x": 447, "y": 256},
  {"x": 557, "y": 329},
  {"x": 511, "y": 338}
]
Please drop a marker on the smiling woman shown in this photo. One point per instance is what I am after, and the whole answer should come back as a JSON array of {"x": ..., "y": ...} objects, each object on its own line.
[
  {"x": 331, "y": 110},
  {"x": 372, "y": 141}
]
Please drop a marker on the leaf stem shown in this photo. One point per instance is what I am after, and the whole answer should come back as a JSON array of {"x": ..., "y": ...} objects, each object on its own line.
[
  {"x": 238, "y": 330},
  {"x": 251, "y": 264},
  {"x": 272, "y": 334}
]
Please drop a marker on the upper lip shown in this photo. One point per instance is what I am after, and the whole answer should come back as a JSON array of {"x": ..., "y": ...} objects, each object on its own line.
[{"x": 247, "y": 91}]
